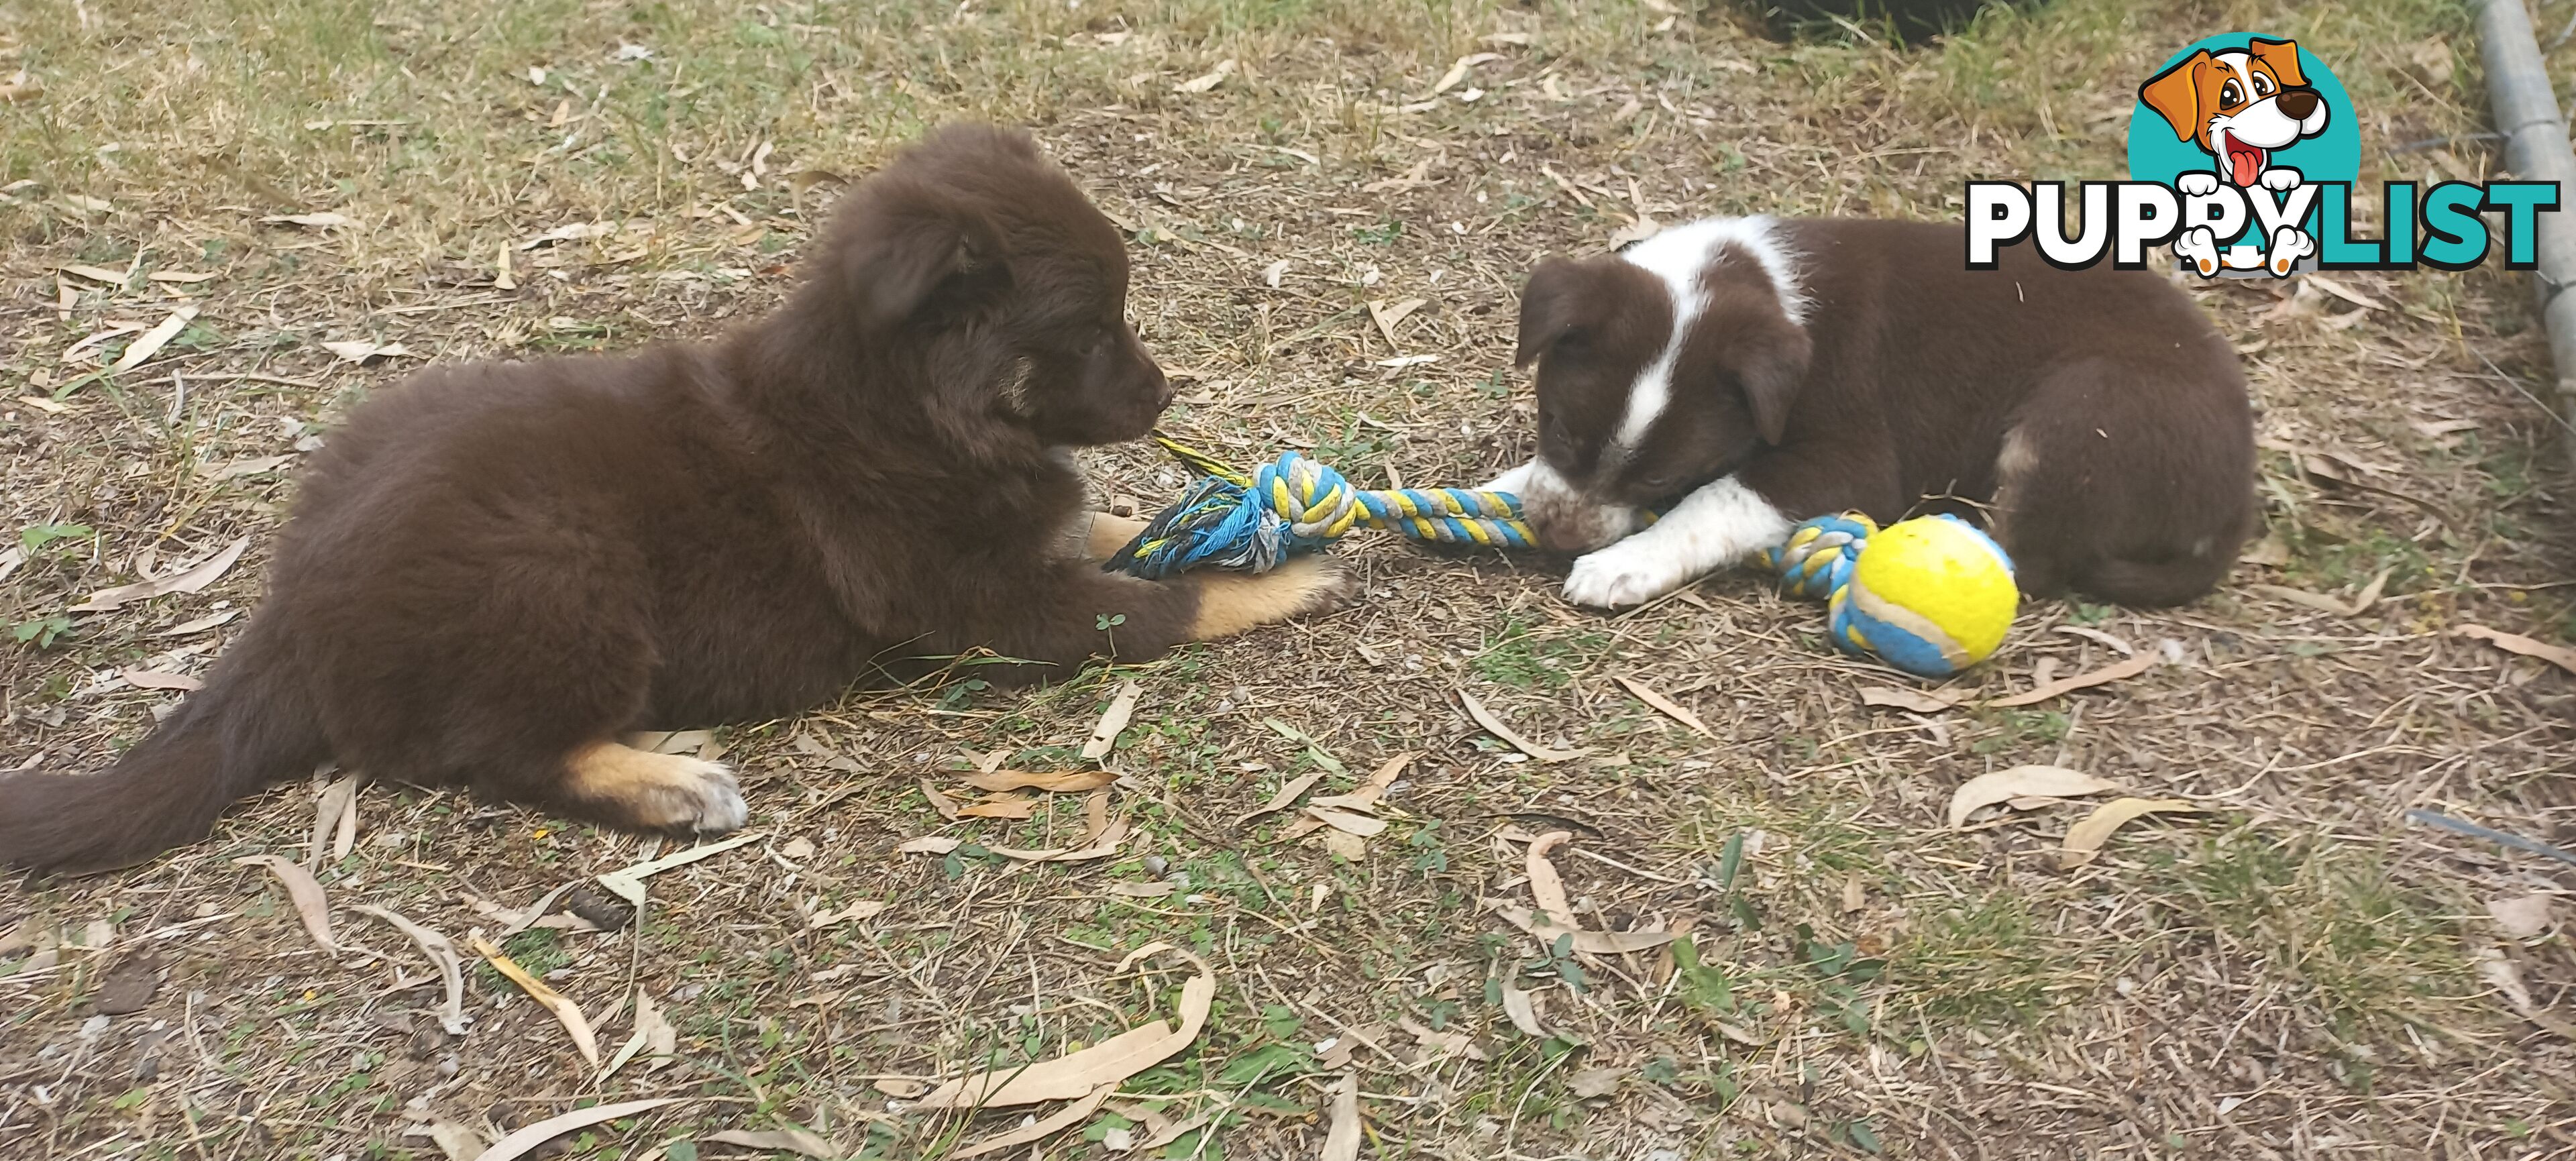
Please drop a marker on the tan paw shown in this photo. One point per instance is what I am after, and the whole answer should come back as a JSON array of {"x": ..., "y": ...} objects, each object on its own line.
[
  {"x": 1230, "y": 603},
  {"x": 649, "y": 791},
  {"x": 1106, "y": 534}
]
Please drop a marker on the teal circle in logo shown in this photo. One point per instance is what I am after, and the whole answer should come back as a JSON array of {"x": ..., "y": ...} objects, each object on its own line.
[{"x": 2157, "y": 153}]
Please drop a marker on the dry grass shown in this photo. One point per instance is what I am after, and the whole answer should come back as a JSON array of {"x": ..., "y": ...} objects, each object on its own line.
[{"x": 2294, "y": 974}]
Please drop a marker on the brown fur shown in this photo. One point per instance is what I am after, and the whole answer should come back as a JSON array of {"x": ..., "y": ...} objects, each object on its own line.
[
  {"x": 2095, "y": 415},
  {"x": 495, "y": 569}
]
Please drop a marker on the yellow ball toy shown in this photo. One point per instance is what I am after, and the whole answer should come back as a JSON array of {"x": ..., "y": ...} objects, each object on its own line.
[{"x": 1931, "y": 595}]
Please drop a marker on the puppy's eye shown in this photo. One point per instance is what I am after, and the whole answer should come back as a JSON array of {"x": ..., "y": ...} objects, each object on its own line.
[
  {"x": 2229, "y": 94},
  {"x": 2262, "y": 85}
]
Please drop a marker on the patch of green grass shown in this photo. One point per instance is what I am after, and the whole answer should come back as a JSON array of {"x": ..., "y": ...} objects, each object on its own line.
[
  {"x": 2018, "y": 727},
  {"x": 1518, "y": 655},
  {"x": 1979, "y": 960},
  {"x": 2371, "y": 953}
]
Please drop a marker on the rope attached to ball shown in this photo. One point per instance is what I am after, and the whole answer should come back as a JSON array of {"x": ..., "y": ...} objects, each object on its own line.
[
  {"x": 1937, "y": 598},
  {"x": 1294, "y": 504}
]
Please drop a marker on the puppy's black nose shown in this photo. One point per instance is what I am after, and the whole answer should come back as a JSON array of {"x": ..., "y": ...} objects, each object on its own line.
[{"x": 2297, "y": 104}]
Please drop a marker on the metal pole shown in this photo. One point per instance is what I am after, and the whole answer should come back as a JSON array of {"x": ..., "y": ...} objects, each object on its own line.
[{"x": 2535, "y": 149}]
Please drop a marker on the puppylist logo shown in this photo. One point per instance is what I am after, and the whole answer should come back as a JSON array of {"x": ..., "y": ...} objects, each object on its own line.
[{"x": 2243, "y": 159}]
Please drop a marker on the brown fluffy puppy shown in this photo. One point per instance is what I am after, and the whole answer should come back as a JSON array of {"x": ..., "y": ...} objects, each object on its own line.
[{"x": 495, "y": 569}]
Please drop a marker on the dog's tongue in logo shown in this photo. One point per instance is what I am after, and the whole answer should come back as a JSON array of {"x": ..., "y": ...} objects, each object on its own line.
[{"x": 2244, "y": 162}]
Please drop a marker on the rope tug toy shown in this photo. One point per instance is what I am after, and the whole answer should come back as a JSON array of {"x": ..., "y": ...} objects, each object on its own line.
[
  {"x": 1293, "y": 505},
  {"x": 1931, "y": 595}
]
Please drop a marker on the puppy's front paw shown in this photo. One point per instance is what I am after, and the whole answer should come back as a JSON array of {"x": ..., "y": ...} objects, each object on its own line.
[
  {"x": 1230, "y": 603},
  {"x": 2197, "y": 183},
  {"x": 1104, "y": 534},
  {"x": 1623, "y": 574},
  {"x": 649, "y": 791},
  {"x": 2280, "y": 177}
]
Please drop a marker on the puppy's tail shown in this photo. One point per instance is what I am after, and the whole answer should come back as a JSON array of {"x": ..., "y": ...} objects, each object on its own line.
[{"x": 252, "y": 723}]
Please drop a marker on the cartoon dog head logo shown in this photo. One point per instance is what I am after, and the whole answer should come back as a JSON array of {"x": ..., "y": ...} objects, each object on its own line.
[
  {"x": 2231, "y": 113},
  {"x": 2239, "y": 106}
]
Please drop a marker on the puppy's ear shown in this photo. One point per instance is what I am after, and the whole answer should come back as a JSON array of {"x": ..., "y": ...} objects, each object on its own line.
[
  {"x": 904, "y": 246},
  {"x": 2175, "y": 94},
  {"x": 1554, "y": 304},
  {"x": 1770, "y": 362},
  {"x": 2282, "y": 57}
]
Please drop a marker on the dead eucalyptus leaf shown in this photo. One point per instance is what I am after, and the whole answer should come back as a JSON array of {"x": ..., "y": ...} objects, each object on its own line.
[
  {"x": 156, "y": 679},
  {"x": 1986, "y": 790},
  {"x": 521, "y": 1143},
  {"x": 1587, "y": 942},
  {"x": 1458, "y": 70},
  {"x": 1342, "y": 1139},
  {"x": 2116, "y": 671},
  {"x": 310, "y": 904},
  {"x": 150, "y": 342},
  {"x": 1209, "y": 80},
  {"x": 858, "y": 912},
  {"x": 1286, "y": 795},
  {"x": 790, "y": 1140},
  {"x": 566, "y": 1012},
  {"x": 442, "y": 955},
  {"x": 652, "y": 1030},
  {"x": 321, "y": 221},
  {"x": 1061, "y": 1119},
  {"x": 455, "y": 1141},
  {"x": 946, "y": 806},
  {"x": 2085, "y": 839},
  {"x": 1667, "y": 706},
  {"x": 1347, "y": 822},
  {"x": 1068, "y": 782},
  {"x": 2517, "y": 643},
  {"x": 1523, "y": 1011},
  {"x": 628, "y": 882},
  {"x": 1113, "y": 721},
  {"x": 1547, "y": 888},
  {"x": 360, "y": 350},
  {"x": 929, "y": 844},
  {"x": 1595, "y": 1082},
  {"x": 2523, "y": 917},
  {"x": 1920, "y": 701},
  {"x": 328, "y": 808},
  {"x": 109, "y": 600},
  {"x": 1081, "y": 1074},
  {"x": 1016, "y": 806},
  {"x": 1141, "y": 890},
  {"x": 1494, "y": 725}
]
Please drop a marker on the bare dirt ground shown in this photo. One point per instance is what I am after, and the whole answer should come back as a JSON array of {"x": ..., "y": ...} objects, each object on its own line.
[{"x": 1321, "y": 195}]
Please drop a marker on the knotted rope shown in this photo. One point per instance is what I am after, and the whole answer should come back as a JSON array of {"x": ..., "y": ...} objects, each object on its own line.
[{"x": 1293, "y": 505}]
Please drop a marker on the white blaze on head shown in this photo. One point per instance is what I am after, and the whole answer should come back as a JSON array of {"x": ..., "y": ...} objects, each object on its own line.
[{"x": 1678, "y": 257}]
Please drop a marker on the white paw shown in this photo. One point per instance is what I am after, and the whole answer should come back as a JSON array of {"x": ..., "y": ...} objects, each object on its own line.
[
  {"x": 710, "y": 799},
  {"x": 1624, "y": 574},
  {"x": 2289, "y": 244},
  {"x": 2280, "y": 177},
  {"x": 2200, "y": 247},
  {"x": 1514, "y": 480},
  {"x": 2196, "y": 183}
]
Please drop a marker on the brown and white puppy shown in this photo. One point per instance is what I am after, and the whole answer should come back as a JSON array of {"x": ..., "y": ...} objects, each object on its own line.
[
  {"x": 496, "y": 569},
  {"x": 1763, "y": 372}
]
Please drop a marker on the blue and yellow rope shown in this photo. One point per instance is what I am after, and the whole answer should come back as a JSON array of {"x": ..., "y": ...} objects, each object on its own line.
[{"x": 1293, "y": 504}]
